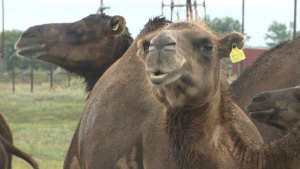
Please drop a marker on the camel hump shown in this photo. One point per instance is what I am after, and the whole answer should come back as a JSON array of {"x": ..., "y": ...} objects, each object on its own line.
[{"x": 15, "y": 151}]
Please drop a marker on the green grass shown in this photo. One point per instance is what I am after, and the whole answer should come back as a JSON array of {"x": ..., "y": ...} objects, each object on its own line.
[{"x": 43, "y": 122}]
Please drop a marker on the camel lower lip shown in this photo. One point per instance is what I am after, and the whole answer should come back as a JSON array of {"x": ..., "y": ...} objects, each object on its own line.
[
  {"x": 31, "y": 52},
  {"x": 163, "y": 78},
  {"x": 261, "y": 115}
]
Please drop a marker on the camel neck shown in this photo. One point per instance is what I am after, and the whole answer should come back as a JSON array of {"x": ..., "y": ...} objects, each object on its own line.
[
  {"x": 219, "y": 135},
  {"x": 191, "y": 126}
]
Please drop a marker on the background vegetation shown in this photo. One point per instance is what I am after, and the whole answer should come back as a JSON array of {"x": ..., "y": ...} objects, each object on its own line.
[{"x": 42, "y": 122}]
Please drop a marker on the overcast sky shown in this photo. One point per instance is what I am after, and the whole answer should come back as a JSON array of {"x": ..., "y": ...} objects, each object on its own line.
[{"x": 21, "y": 14}]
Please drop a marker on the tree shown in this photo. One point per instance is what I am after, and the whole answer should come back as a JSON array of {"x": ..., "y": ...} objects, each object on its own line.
[
  {"x": 225, "y": 25},
  {"x": 11, "y": 37},
  {"x": 278, "y": 32}
]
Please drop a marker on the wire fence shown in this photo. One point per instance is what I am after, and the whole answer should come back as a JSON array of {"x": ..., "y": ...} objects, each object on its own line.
[{"x": 34, "y": 77}]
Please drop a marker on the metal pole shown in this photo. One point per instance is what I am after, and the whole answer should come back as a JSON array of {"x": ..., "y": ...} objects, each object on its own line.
[
  {"x": 13, "y": 76},
  {"x": 187, "y": 10},
  {"x": 191, "y": 11},
  {"x": 240, "y": 64},
  {"x": 172, "y": 7},
  {"x": 2, "y": 47},
  {"x": 295, "y": 20},
  {"x": 162, "y": 7},
  {"x": 204, "y": 5},
  {"x": 51, "y": 77},
  {"x": 196, "y": 12},
  {"x": 31, "y": 76},
  {"x": 101, "y": 6}
]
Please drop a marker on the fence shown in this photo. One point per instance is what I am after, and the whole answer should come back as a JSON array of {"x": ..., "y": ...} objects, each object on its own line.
[{"x": 37, "y": 77}]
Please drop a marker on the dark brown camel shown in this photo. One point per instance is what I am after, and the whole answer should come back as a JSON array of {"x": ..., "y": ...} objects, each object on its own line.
[
  {"x": 278, "y": 108},
  {"x": 6, "y": 133},
  {"x": 86, "y": 47},
  {"x": 205, "y": 128},
  {"x": 275, "y": 69},
  {"x": 7, "y": 148}
]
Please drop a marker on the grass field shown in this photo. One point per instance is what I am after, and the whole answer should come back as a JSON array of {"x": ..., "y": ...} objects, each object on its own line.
[{"x": 43, "y": 122}]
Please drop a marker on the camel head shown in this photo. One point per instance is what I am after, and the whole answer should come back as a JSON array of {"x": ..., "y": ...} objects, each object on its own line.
[
  {"x": 182, "y": 62},
  {"x": 85, "y": 47},
  {"x": 278, "y": 108}
]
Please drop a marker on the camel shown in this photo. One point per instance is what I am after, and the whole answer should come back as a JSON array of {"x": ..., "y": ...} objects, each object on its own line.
[
  {"x": 116, "y": 128},
  {"x": 7, "y": 148},
  {"x": 86, "y": 47},
  {"x": 6, "y": 133},
  {"x": 206, "y": 128},
  {"x": 275, "y": 69},
  {"x": 278, "y": 108}
]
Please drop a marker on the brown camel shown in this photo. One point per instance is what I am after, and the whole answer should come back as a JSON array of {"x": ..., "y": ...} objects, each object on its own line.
[
  {"x": 278, "y": 108},
  {"x": 6, "y": 133},
  {"x": 205, "y": 128},
  {"x": 86, "y": 47},
  {"x": 7, "y": 148},
  {"x": 273, "y": 70},
  {"x": 116, "y": 129},
  {"x": 3, "y": 157}
]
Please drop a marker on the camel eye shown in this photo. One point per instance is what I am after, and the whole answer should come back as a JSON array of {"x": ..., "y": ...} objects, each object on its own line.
[
  {"x": 146, "y": 45},
  {"x": 208, "y": 47},
  {"x": 297, "y": 96},
  {"x": 146, "y": 48},
  {"x": 76, "y": 35}
]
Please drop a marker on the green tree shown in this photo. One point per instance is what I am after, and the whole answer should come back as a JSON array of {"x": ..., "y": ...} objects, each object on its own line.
[
  {"x": 225, "y": 25},
  {"x": 278, "y": 32},
  {"x": 11, "y": 37}
]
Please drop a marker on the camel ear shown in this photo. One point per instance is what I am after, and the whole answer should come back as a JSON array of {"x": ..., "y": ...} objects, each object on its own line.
[
  {"x": 117, "y": 24},
  {"x": 227, "y": 41}
]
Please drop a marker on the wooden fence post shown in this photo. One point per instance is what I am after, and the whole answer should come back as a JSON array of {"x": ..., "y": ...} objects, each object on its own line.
[
  {"x": 31, "y": 76},
  {"x": 51, "y": 77},
  {"x": 13, "y": 76},
  {"x": 69, "y": 79}
]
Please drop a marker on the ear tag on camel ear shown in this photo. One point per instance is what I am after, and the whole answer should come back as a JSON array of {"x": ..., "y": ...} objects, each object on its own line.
[
  {"x": 115, "y": 28},
  {"x": 236, "y": 54}
]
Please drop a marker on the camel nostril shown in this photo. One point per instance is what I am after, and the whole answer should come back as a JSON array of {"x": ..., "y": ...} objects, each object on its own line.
[
  {"x": 171, "y": 44},
  {"x": 29, "y": 34}
]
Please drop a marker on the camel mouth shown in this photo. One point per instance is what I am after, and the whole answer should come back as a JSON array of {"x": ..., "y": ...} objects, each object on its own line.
[
  {"x": 262, "y": 115},
  {"x": 32, "y": 52},
  {"x": 276, "y": 124},
  {"x": 162, "y": 78}
]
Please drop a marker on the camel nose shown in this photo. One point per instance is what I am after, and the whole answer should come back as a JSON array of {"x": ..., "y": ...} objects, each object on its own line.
[
  {"x": 163, "y": 41},
  {"x": 260, "y": 97}
]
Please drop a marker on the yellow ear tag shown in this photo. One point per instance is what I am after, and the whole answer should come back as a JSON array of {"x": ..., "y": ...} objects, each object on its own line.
[
  {"x": 116, "y": 27},
  {"x": 236, "y": 54}
]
